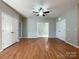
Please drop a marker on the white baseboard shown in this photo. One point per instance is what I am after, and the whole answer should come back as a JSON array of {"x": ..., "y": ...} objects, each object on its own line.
[
  {"x": 17, "y": 40},
  {"x": 1, "y": 50},
  {"x": 28, "y": 37},
  {"x": 72, "y": 44},
  {"x": 36, "y": 37},
  {"x": 9, "y": 45},
  {"x": 56, "y": 37},
  {"x": 52, "y": 37}
]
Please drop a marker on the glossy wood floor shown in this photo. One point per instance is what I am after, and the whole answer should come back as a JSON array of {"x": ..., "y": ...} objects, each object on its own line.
[{"x": 38, "y": 49}]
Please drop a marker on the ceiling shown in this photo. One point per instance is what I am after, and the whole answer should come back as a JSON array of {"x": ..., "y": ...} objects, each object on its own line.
[
  {"x": 78, "y": 1},
  {"x": 57, "y": 7}
]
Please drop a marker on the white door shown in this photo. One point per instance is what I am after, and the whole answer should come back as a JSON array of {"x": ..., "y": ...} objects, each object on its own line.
[
  {"x": 6, "y": 30},
  {"x": 61, "y": 29},
  {"x": 42, "y": 29},
  {"x": 15, "y": 30}
]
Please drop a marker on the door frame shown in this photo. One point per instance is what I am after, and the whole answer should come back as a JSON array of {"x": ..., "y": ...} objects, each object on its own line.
[
  {"x": 59, "y": 32},
  {"x": 38, "y": 26},
  {"x": 20, "y": 22}
]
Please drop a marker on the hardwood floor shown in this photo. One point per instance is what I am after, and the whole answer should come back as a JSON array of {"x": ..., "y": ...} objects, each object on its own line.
[{"x": 38, "y": 49}]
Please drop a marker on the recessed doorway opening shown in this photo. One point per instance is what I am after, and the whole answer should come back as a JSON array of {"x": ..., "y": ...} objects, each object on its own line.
[
  {"x": 43, "y": 32},
  {"x": 42, "y": 29}
]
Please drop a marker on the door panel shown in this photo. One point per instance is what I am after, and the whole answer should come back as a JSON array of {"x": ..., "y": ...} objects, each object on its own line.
[
  {"x": 43, "y": 29},
  {"x": 61, "y": 29},
  {"x": 6, "y": 30},
  {"x": 15, "y": 30},
  {"x": 9, "y": 30}
]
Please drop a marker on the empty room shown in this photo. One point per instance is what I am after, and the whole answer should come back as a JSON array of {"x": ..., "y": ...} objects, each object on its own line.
[{"x": 39, "y": 29}]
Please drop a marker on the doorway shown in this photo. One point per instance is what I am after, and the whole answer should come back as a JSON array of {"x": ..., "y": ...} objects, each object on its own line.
[
  {"x": 61, "y": 29},
  {"x": 9, "y": 30},
  {"x": 20, "y": 29},
  {"x": 42, "y": 29}
]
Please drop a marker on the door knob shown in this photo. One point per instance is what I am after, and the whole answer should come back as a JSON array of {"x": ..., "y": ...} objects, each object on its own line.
[{"x": 12, "y": 32}]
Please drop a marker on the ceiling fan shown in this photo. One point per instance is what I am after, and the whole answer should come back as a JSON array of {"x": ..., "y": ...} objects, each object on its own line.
[{"x": 41, "y": 12}]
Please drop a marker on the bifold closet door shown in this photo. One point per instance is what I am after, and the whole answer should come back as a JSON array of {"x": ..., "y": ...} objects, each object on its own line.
[
  {"x": 6, "y": 30},
  {"x": 15, "y": 26},
  {"x": 61, "y": 29},
  {"x": 42, "y": 29}
]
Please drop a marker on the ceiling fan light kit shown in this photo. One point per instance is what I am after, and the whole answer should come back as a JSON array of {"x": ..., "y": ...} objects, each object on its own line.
[{"x": 41, "y": 12}]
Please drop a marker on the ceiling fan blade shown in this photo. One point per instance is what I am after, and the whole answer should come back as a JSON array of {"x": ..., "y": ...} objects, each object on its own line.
[
  {"x": 35, "y": 12},
  {"x": 46, "y": 12},
  {"x": 43, "y": 14},
  {"x": 40, "y": 9},
  {"x": 37, "y": 15}
]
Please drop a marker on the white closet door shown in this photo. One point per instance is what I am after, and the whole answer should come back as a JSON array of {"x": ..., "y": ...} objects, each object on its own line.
[
  {"x": 15, "y": 30},
  {"x": 61, "y": 29},
  {"x": 6, "y": 30},
  {"x": 42, "y": 29}
]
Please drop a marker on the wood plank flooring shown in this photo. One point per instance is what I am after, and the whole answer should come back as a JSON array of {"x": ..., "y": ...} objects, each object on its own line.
[{"x": 39, "y": 49}]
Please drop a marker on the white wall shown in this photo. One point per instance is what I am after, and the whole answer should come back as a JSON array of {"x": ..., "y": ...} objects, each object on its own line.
[
  {"x": 71, "y": 25},
  {"x": 7, "y": 10},
  {"x": 30, "y": 26}
]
